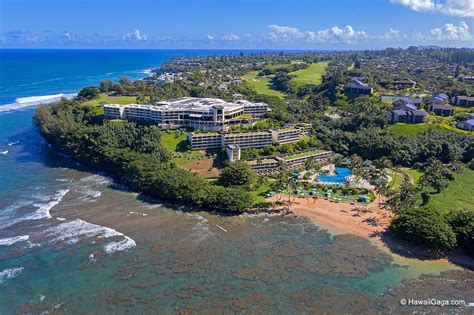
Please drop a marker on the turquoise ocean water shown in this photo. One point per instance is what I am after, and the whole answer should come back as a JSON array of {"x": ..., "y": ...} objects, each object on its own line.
[{"x": 74, "y": 241}]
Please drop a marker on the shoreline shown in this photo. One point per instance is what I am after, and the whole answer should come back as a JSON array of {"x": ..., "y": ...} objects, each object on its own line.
[{"x": 370, "y": 222}]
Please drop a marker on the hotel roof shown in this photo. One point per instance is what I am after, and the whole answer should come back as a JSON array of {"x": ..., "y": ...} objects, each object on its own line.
[
  {"x": 203, "y": 104},
  {"x": 193, "y": 104}
]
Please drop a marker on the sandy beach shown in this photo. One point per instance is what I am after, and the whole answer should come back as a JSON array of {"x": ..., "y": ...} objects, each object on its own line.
[{"x": 370, "y": 221}]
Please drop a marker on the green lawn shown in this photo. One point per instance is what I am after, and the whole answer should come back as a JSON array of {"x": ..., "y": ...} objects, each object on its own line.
[
  {"x": 172, "y": 139},
  {"x": 311, "y": 75},
  {"x": 413, "y": 173},
  {"x": 409, "y": 129},
  {"x": 460, "y": 109},
  {"x": 257, "y": 194},
  {"x": 103, "y": 98},
  {"x": 397, "y": 178},
  {"x": 261, "y": 85},
  {"x": 458, "y": 195}
]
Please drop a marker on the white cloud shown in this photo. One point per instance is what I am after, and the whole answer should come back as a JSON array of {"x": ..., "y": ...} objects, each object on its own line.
[
  {"x": 230, "y": 37},
  {"x": 209, "y": 37},
  {"x": 461, "y": 8},
  {"x": 135, "y": 35},
  {"x": 452, "y": 32},
  {"x": 284, "y": 33},
  {"x": 69, "y": 36},
  {"x": 335, "y": 34},
  {"x": 391, "y": 34},
  {"x": 347, "y": 35},
  {"x": 32, "y": 39}
]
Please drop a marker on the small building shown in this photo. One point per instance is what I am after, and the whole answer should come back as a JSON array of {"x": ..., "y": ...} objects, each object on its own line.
[
  {"x": 441, "y": 109},
  {"x": 464, "y": 101},
  {"x": 466, "y": 125},
  {"x": 405, "y": 83},
  {"x": 415, "y": 101},
  {"x": 404, "y": 105},
  {"x": 408, "y": 116},
  {"x": 361, "y": 89},
  {"x": 233, "y": 152},
  {"x": 440, "y": 98}
]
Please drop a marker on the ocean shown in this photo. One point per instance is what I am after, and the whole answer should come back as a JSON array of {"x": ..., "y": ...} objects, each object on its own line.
[{"x": 73, "y": 240}]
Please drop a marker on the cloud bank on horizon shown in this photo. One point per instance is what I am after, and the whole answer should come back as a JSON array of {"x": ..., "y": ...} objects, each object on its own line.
[
  {"x": 460, "y": 8},
  {"x": 455, "y": 30}
]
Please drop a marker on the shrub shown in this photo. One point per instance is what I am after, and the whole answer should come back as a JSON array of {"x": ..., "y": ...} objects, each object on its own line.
[
  {"x": 426, "y": 228},
  {"x": 462, "y": 223}
]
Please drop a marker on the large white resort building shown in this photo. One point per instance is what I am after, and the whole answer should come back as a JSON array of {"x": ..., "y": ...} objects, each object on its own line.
[{"x": 206, "y": 114}]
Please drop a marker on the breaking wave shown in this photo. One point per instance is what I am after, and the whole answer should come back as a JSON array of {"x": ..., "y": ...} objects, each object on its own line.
[
  {"x": 30, "y": 101},
  {"x": 73, "y": 231},
  {"x": 12, "y": 240},
  {"x": 10, "y": 216},
  {"x": 10, "y": 273},
  {"x": 89, "y": 187},
  {"x": 201, "y": 230},
  {"x": 113, "y": 247},
  {"x": 43, "y": 211}
]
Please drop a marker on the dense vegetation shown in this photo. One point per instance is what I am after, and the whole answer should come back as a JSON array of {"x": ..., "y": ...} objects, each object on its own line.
[
  {"x": 435, "y": 231},
  {"x": 134, "y": 154},
  {"x": 424, "y": 227}
]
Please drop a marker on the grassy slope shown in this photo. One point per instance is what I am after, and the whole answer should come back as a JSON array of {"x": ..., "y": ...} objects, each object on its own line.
[
  {"x": 409, "y": 129},
  {"x": 257, "y": 194},
  {"x": 171, "y": 140},
  {"x": 261, "y": 84},
  {"x": 103, "y": 98},
  {"x": 311, "y": 75},
  {"x": 458, "y": 195},
  {"x": 434, "y": 122}
]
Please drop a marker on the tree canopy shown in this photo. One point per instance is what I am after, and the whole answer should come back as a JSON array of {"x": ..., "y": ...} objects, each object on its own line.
[{"x": 426, "y": 228}]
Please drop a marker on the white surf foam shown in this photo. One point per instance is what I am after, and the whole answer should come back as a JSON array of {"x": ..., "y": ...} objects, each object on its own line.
[
  {"x": 89, "y": 187},
  {"x": 13, "y": 143},
  {"x": 138, "y": 213},
  {"x": 10, "y": 273},
  {"x": 12, "y": 240},
  {"x": 73, "y": 231},
  {"x": 23, "y": 102},
  {"x": 113, "y": 247},
  {"x": 15, "y": 213},
  {"x": 201, "y": 230},
  {"x": 43, "y": 211},
  {"x": 8, "y": 215},
  {"x": 4, "y": 152}
]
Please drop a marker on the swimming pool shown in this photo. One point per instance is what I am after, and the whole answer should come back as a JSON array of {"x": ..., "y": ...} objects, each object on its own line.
[{"x": 338, "y": 178}]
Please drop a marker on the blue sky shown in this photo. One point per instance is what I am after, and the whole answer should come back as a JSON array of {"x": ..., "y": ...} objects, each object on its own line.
[{"x": 289, "y": 24}]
